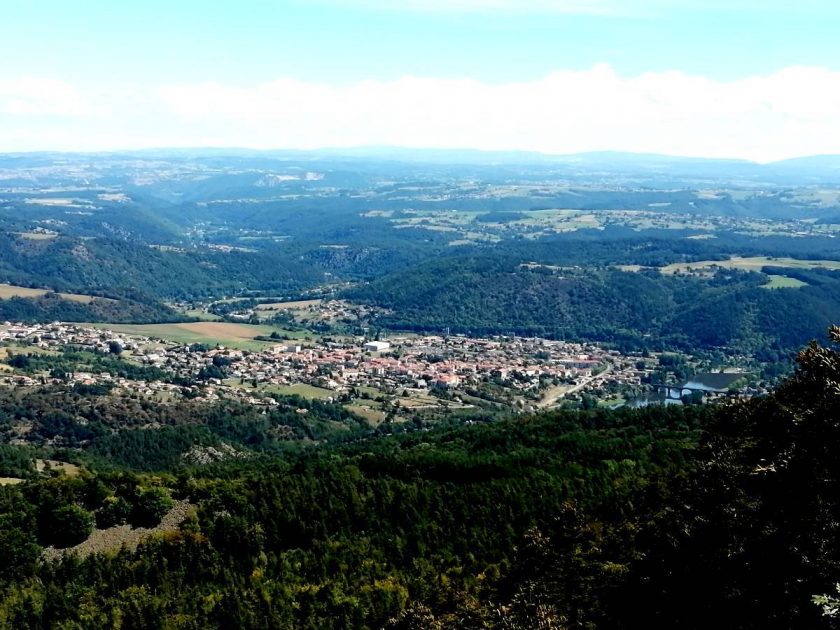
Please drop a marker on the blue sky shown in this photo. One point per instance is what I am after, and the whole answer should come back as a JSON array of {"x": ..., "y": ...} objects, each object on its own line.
[{"x": 91, "y": 74}]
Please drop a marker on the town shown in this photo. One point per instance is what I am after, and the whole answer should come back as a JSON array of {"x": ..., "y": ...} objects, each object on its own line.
[{"x": 377, "y": 378}]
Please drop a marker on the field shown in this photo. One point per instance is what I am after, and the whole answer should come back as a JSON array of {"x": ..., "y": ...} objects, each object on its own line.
[
  {"x": 302, "y": 310},
  {"x": 783, "y": 282},
  {"x": 5, "y": 351},
  {"x": 37, "y": 236},
  {"x": 240, "y": 336},
  {"x": 612, "y": 402},
  {"x": 466, "y": 227},
  {"x": 754, "y": 263},
  {"x": 369, "y": 413},
  {"x": 305, "y": 391},
  {"x": 9, "y": 291},
  {"x": 41, "y": 465},
  {"x": 71, "y": 470},
  {"x": 202, "y": 315}
]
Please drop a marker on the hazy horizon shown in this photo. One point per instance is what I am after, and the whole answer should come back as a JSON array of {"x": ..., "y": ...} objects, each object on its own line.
[
  {"x": 738, "y": 80},
  {"x": 383, "y": 151}
]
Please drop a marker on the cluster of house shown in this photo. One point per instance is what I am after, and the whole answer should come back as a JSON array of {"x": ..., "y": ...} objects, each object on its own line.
[
  {"x": 409, "y": 362},
  {"x": 140, "y": 349},
  {"x": 321, "y": 310},
  {"x": 413, "y": 362}
]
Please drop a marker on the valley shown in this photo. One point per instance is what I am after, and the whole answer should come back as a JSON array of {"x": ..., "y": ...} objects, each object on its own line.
[
  {"x": 419, "y": 315},
  {"x": 355, "y": 387}
]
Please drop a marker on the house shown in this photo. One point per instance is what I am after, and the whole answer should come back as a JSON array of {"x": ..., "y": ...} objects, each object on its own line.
[{"x": 447, "y": 381}]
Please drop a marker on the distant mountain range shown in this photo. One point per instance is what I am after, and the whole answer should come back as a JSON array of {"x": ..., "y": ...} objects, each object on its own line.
[{"x": 807, "y": 170}]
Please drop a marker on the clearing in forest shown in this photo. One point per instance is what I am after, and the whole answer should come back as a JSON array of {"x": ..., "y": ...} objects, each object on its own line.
[
  {"x": 753, "y": 263},
  {"x": 783, "y": 282},
  {"x": 10, "y": 290}
]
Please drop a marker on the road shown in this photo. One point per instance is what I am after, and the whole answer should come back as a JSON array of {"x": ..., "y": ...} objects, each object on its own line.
[{"x": 559, "y": 392}]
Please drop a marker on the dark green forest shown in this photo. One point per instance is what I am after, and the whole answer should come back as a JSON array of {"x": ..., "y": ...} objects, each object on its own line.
[
  {"x": 645, "y": 309},
  {"x": 689, "y": 517},
  {"x": 90, "y": 425},
  {"x": 51, "y": 307}
]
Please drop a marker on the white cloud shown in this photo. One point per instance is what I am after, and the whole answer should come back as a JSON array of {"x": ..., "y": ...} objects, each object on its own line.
[
  {"x": 790, "y": 112},
  {"x": 38, "y": 96}
]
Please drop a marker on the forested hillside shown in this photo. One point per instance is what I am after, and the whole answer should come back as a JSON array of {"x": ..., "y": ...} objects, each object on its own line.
[
  {"x": 90, "y": 425},
  {"x": 641, "y": 308},
  {"x": 440, "y": 243},
  {"x": 112, "y": 267},
  {"x": 52, "y": 307},
  {"x": 687, "y": 517}
]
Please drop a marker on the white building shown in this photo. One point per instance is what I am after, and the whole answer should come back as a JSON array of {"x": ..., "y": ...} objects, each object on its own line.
[{"x": 376, "y": 346}]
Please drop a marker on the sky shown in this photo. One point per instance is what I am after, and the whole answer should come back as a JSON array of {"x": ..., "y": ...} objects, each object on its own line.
[{"x": 747, "y": 79}]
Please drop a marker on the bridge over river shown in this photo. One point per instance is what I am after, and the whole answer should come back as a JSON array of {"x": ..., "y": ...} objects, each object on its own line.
[{"x": 676, "y": 392}]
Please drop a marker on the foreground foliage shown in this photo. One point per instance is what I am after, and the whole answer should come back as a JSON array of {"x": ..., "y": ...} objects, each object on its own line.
[{"x": 663, "y": 517}]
